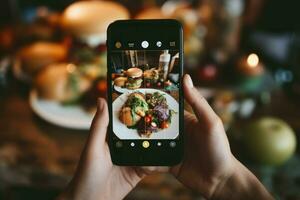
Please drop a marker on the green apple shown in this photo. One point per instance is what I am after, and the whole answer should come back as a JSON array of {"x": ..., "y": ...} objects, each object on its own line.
[{"x": 270, "y": 140}]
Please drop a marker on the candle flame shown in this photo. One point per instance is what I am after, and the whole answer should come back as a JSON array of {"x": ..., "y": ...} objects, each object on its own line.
[{"x": 252, "y": 60}]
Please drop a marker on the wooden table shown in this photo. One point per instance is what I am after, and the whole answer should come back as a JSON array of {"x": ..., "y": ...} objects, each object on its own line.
[
  {"x": 37, "y": 154},
  {"x": 32, "y": 148}
]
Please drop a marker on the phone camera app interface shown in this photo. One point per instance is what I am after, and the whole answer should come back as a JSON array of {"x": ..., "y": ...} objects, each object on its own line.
[{"x": 145, "y": 93}]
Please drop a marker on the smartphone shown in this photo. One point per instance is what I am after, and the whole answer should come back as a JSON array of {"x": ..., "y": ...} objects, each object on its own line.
[{"x": 145, "y": 96}]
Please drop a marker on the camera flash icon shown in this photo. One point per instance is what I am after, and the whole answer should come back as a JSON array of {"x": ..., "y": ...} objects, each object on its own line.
[{"x": 158, "y": 43}]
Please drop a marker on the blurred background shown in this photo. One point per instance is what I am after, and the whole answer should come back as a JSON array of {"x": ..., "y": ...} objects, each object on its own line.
[{"x": 243, "y": 55}]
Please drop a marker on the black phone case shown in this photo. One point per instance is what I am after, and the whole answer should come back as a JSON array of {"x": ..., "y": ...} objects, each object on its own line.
[{"x": 151, "y": 30}]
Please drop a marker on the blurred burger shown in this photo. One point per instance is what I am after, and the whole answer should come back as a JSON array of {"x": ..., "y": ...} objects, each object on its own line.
[
  {"x": 61, "y": 82},
  {"x": 40, "y": 54},
  {"x": 151, "y": 13},
  {"x": 86, "y": 22},
  {"x": 134, "y": 80}
]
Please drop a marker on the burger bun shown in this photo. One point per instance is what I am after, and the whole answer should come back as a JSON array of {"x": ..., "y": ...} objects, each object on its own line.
[
  {"x": 134, "y": 72},
  {"x": 120, "y": 81},
  {"x": 88, "y": 20},
  {"x": 40, "y": 54},
  {"x": 54, "y": 83}
]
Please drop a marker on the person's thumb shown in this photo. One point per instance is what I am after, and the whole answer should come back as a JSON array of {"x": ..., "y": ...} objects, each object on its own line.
[
  {"x": 201, "y": 108},
  {"x": 99, "y": 124}
]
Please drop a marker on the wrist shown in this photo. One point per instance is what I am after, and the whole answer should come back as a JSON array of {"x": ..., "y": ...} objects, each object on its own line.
[
  {"x": 218, "y": 183},
  {"x": 80, "y": 188},
  {"x": 221, "y": 189},
  {"x": 241, "y": 184}
]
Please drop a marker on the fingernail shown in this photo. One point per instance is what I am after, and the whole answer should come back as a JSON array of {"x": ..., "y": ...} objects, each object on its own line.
[
  {"x": 189, "y": 81},
  {"x": 99, "y": 104}
]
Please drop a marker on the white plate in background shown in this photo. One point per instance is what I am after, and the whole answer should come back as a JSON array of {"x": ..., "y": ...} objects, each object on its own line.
[{"x": 68, "y": 116}]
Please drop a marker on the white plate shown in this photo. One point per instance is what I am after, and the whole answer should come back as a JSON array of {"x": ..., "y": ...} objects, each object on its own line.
[
  {"x": 123, "y": 132},
  {"x": 71, "y": 116},
  {"x": 121, "y": 89},
  {"x": 125, "y": 90}
]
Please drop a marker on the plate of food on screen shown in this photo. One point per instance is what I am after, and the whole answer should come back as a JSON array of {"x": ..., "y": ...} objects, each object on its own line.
[
  {"x": 146, "y": 113},
  {"x": 135, "y": 78}
]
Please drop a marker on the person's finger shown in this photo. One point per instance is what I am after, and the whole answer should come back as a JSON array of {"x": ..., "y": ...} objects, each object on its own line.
[
  {"x": 99, "y": 123},
  {"x": 200, "y": 106},
  {"x": 96, "y": 139}
]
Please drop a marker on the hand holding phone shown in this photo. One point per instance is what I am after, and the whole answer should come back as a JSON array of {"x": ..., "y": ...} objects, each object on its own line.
[{"x": 208, "y": 166}]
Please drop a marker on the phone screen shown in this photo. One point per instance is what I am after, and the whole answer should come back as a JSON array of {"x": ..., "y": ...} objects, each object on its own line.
[{"x": 145, "y": 93}]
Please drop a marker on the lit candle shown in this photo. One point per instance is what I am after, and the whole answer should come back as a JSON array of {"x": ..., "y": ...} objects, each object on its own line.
[
  {"x": 250, "y": 65},
  {"x": 250, "y": 72}
]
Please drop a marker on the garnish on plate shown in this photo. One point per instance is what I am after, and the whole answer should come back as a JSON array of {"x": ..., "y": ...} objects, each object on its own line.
[{"x": 147, "y": 113}]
